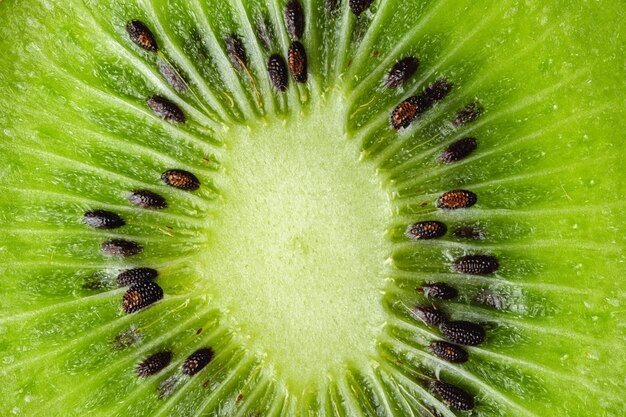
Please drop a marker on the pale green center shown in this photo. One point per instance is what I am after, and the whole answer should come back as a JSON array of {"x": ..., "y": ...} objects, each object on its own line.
[{"x": 297, "y": 253}]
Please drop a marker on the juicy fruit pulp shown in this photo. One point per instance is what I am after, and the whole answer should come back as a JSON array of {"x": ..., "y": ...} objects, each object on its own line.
[{"x": 293, "y": 218}]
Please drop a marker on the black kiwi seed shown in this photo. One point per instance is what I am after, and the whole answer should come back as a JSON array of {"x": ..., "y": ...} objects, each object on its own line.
[
  {"x": 439, "y": 291},
  {"x": 297, "y": 62},
  {"x": 181, "y": 179},
  {"x": 166, "y": 110},
  {"x": 197, "y": 361},
  {"x": 141, "y": 35},
  {"x": 448, "y": 351},
  {"x": 457, "y": 199},
  {"x": 454, "y": 396},
  {"x": 147, "y": 199},
  {"x": 477, "y": 264},
  {"x": 430, "y": 315},
  {"x": 458, "y": 150},
  {"x": 468, "y": 114},
  {"x": 401, "y": 72},
  {"x": 236, "y": 52},
  {"x": 154, "y": 363},
  {"x": 463, "y": 332},
  {"x": 140, "y": 296},
  {"x": 121, "y": 247},
  {"x": 437, "y": 91},
  {"x": 359, "y": 6},
  {"x": 136, "y": 276},
  {"x": 429, "y": 229},
  {"x": 294, "y": 19},
  {"x": 405, "y": 112},
  {"x": 172, "y": 76},
  {"x": 277, "y": 70},
  {"x": 102, "y": 219}
]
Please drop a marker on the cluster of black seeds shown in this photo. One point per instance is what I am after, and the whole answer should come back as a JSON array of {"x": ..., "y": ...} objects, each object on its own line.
[
  {"x": 296, "y": 63},
  {"x": 193, "y": 364},
  {"x": 143, "y": 291},
  {"x": 408, "y": 110}
]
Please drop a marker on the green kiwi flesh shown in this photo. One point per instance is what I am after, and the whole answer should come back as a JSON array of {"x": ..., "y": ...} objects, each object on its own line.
[{"x": 185, "y": 234}]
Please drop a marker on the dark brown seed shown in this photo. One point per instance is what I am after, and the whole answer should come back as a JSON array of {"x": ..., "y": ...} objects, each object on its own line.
[
  {"x": 172, "y": 76},
  {"x": 463, "y": 332},
  {"x": 468, "y": 232},
  {"x": 426, "y": 230},
  {"x": 121, "y": 247},
  {"x": 454, "y": 396},
  {"x": 401, "y": 72},
  {"x": 437, "y": 91},
  {"x": 439, "y": 291},
  {"x": 277, "y": 70},
  {"x": 197, "y": 361},
  {"x": 477, "y": 264},
  {"x": 135, "y": 276},
  {"x": 181, "y": 179},
  {"x": 294, "y": 19},
  {"x": 147, "y": 199},
  {"x": 166, "y": 110},
  {"x": 359, "y": 6},
  {"x": 448, "y": 351},
  {"x": 297, "y": 62},
  {"x": 141, "y": 35},
  {"x": 153, "y": 364},
  {"x": 236, "y": 52},
  {"x": 430, "y": 315},
  {"x": 467, "y": 115},
  {"x": 459, "y": 150},
  {"x": 140, "y": 296},
  {"x": 405, "y": 112},
  {"x": 456, "y": 199},
  {"x": 102, "y": 219}
]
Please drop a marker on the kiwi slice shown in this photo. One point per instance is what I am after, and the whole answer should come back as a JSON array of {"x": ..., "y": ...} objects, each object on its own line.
[{"x": 312, "y": 208}]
